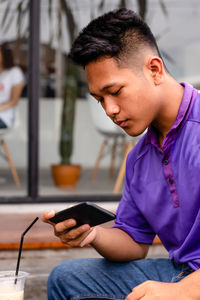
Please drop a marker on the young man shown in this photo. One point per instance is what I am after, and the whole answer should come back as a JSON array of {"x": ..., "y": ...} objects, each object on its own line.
[{"x": 126, "y": 74}]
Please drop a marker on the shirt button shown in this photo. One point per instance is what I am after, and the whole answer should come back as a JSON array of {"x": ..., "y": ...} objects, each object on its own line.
[
  {"x": 166, "y": 162},
  {"x": 171, "y": 180}
]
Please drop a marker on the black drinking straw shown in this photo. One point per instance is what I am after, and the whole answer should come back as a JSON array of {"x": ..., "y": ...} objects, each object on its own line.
[{"x": 20, "y": 247}]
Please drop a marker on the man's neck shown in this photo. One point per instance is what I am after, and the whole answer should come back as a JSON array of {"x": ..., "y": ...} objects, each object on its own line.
[{"x": 173, "y": 94}]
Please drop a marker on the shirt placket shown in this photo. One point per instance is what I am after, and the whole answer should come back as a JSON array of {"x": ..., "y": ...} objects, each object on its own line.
[
  {"x": 167, "y": 169},
  {"x": 185, "y": 109},
  {"x": 168, "y": 173}
]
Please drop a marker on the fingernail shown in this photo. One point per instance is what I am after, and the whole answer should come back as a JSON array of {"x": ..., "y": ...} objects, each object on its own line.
[
  {"x": 50, "y": 213},
  {"x": 71, "y": 222},
  {"x": 85, "y": 227},
  {"x": 82, "y": 244}
]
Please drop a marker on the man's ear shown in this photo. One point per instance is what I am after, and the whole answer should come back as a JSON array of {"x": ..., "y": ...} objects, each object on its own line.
[{"x": 156, "y": 68}]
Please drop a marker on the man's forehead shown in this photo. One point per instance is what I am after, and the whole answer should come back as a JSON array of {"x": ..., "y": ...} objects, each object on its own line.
[
  {"x": 103, "y": 88},
  {"x": 102, "y": 74},
  {"x": 102, "y": 62}
]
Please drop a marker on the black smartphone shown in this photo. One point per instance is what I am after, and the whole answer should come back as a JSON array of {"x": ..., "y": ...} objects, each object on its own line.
[{"x": 84, "y": 213}]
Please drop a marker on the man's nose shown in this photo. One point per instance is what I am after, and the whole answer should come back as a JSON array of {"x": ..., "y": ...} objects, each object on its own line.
[{"x": 111, "y": 108}]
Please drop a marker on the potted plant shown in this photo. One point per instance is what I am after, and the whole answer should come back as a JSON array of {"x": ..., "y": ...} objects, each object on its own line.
[{"x": 66, "y": 174}]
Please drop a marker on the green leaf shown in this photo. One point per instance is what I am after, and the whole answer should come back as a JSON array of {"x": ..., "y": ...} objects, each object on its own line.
[
  {"x": 7, "y": 10},
  {"x": 51, "y": 32},
  {"x": 163, "y": 7},
  {"x": 70, "y": 19},
  {"x": 9, "y": 22},
  {"x": 142, "y": 8},
  {"x": 122, "y": 4},
  {"x": 19, "y": 17},
  {"x": 101, "y": 5},
  {"x": 167, "y": 56}
]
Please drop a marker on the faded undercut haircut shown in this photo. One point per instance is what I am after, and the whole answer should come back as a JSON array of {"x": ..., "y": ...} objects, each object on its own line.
[{"x": 118, "y": 34}]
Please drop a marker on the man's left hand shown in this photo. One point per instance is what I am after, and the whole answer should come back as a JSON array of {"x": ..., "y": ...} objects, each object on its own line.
[{"x": 154, "y": 290}]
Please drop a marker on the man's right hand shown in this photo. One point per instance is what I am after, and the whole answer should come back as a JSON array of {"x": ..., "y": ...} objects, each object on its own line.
[
  {"x": 112, "y": 243},
  {"x": 73, "y": 237}
]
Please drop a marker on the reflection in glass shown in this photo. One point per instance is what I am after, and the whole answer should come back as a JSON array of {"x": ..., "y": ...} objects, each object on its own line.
[{"x": 13, "y": 102}]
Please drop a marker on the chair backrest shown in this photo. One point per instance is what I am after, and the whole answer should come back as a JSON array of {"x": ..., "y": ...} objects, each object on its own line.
[
  {"x": 101, "y": 121},
  {"x": 4, "y": 132},
  {"x": 16, "y": 121},
  {"x": 15, "y": 124}
]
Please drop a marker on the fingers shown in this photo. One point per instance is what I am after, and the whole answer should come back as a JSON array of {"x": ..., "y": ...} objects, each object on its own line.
[
  {"x": 150, "y": 290},
  {"x": 139, "y": 292},
  {"x": 64, "y": 226},
  {"x": 134, "y": 296},
  {"x": 47, "y": 215},
  {"x": 65, "y": 231},
  {"x": 89, "y": 238},
  {"x": 75, "y": 236}
]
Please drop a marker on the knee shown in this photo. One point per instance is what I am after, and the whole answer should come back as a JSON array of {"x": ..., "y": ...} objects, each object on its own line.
[
  {"x": 52, "y": 283},
  {"x": 55, "y": 282},
  {"x": 58, "y": 272},
  {"x": 54, "y": 276},
  {"x": 60, "y": 279}
]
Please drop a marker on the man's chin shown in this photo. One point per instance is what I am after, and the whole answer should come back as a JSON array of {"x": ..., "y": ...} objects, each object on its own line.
[{"x": 133, "y": 132}]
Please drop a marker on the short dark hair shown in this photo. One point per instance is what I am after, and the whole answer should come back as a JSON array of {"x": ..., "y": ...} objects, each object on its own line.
[
  {"x": 7, "y": 56},
  {"x": 116, "y": 34}
]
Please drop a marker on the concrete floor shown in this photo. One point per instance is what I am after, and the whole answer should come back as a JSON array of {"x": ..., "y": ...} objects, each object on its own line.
[
  {"x": 39, "y": 263},
  {"x": 103, "y": 184}
]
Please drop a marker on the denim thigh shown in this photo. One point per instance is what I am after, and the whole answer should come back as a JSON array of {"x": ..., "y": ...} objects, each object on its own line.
[{"x": 97, "y": 278}]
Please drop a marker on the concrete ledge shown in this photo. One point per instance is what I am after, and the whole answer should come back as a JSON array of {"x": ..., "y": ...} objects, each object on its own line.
[{"x": 14, "y": 219}]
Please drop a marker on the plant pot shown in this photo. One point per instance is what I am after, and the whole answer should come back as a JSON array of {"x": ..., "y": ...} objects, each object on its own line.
[{"x": 65, "y": 176}]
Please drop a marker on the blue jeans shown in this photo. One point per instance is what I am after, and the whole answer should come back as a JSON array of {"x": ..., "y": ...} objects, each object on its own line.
[{"x": 97, "y": 278}]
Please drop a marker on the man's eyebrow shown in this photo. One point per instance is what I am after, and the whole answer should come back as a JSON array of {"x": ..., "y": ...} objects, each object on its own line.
[
  {"x": 107, "y": 86},
  {"x": 104, "y": 88},
  {"x": 93, "y": 94}
]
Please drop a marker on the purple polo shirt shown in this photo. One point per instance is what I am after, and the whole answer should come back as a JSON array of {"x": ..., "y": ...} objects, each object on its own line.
[{"x": 162, "y": 187}]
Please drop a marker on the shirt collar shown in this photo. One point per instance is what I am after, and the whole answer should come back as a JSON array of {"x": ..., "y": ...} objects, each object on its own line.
[{"x": 185, "y": 108}]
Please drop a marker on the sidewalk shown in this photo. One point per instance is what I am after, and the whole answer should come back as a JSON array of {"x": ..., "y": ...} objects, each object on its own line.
[
  {"x": 45, "y": 250},
  {"x": 39, "y": 263}
]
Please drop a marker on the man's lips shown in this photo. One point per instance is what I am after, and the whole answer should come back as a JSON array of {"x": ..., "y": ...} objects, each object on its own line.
[{"x": 121, "y": 123}]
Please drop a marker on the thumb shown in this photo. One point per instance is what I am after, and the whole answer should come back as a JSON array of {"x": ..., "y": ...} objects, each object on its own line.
[{"x": 89, "y": 238}]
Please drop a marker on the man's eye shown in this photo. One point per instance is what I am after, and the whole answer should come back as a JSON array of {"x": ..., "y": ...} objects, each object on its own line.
[
  {"x": 116, "y": 93},
  {"x": 100, "y": 100}
]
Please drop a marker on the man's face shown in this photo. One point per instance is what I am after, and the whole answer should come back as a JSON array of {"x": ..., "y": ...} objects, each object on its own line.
[{"x": 127, "y": 97}]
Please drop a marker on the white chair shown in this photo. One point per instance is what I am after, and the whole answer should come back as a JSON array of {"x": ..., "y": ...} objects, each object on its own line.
[
  {"x": 4, "y": 152},
  {"x": 114, "y": 136}
]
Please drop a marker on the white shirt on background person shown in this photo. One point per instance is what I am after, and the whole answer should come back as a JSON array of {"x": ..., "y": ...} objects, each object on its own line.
[{"x": 8, "y": 79}]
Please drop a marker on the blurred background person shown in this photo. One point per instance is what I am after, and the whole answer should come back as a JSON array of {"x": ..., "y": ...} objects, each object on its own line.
[{"x": 11, "y": 85}]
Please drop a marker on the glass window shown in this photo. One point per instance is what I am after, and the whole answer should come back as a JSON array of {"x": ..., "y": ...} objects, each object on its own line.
[
  {"x": 13, "y": 81},
  {"x": 68, "y": 130},
  {"x": 100, "y": 154}
]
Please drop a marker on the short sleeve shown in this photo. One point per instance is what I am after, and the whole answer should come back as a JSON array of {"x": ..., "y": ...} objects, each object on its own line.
[
  {"x": 129, "y": 218},
  {"x": 17, "y": 75}
]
